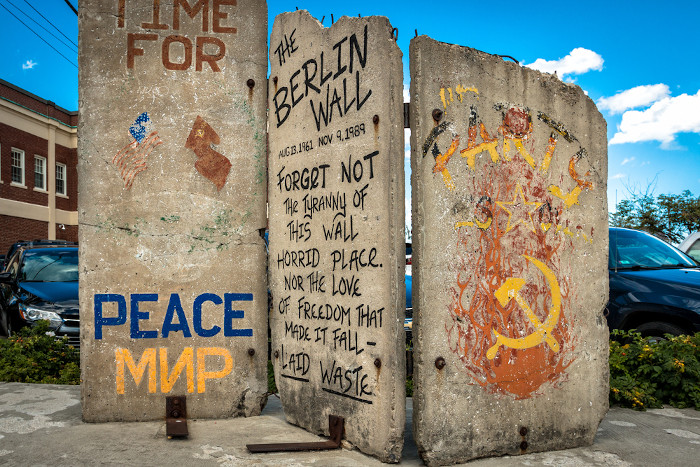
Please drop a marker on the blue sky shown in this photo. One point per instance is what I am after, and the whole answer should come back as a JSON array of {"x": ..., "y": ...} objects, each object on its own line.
[{"x": 638, "y": 60}]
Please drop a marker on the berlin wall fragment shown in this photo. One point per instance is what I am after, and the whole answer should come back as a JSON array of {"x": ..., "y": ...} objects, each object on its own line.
[
  {"x": 509, "y": 257},
  {"x": 172, "y": 178},
  {"x": 336, "y": 210}
]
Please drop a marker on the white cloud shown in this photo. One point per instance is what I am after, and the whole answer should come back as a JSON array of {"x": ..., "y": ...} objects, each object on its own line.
[
  {"x": 407, "y": 145},
  {"x": 660, "y": 122},
  {"x": 617, "y": 176},
  {"x": 29, "y": 64},
  {"x": 640, "y": 96},
  {"x": 578, "y": 61},
  {"x": 406, "y": 93},
  {"x": 627, "y": 160}
]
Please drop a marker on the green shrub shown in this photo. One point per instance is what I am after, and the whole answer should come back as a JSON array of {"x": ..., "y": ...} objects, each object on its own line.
[
  {"x": 645, "y": 373},
  {"x": 271, "y": 386},
  {"x": 34, "y": 355}
]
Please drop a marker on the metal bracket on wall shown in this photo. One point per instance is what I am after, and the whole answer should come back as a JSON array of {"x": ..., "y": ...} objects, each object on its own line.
[
  {"x": 336, "y": 427},
  {"x": 176, "y": 417}
]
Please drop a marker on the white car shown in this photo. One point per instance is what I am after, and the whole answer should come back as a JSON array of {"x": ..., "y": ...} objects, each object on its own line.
[{"x": 691, "y": 246}]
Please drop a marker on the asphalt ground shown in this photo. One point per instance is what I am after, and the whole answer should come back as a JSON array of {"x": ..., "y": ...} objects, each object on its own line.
[{"x": 41, "y": 425}]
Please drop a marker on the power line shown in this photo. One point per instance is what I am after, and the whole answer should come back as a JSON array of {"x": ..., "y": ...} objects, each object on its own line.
[
  {"x": 72, "y": 7},
  {"x": 54, "y": 26},
  {"x": 42, "y": 27},
  {"x": 37, "y": 35}
]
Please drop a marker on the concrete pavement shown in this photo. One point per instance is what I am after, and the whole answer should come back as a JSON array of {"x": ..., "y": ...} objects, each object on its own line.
[{"x": 41, "y": 425}]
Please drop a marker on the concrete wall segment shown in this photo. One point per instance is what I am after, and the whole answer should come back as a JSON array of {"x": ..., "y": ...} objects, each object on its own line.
[
  {"x": 337, "y": 199},
  {"x": 509, "y": 171},
  {"x": 172, "y": 180}
]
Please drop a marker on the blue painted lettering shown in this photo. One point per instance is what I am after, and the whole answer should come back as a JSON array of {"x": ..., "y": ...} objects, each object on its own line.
[
  {"x": 175, "y": 317},
  {"x": 175, "y": 307},
  {"x": 100, "y": 320},
  {"x": 230, "y": 314},
  {"x": 137, "y": 315}
]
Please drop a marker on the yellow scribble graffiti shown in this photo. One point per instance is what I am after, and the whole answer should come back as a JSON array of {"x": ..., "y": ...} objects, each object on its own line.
[
  {"x": 476, "y": 222},
  {"x": 528, "y": 212},
  {"x": 441, "y": 164},
  {"x": 473, "y": 149},
  {"x": 549, "y": 153},
  {"x": 518, "y": 142},
  {"x": 569, "y": 198},
  {"x": 565, "y": 231},
  {"x": 460, "y": 90}
]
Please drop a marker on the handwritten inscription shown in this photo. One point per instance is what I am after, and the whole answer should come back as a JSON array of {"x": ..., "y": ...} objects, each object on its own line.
[
  {"x": 342, "y": 70},
  {"x": 327, "y": 195},
  {"x": 323, "y": 302}
]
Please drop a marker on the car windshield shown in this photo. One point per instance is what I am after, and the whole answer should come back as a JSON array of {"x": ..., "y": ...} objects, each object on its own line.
[
  {"x": 631, "y": 249},
  {"x": 49, "y": 266}
]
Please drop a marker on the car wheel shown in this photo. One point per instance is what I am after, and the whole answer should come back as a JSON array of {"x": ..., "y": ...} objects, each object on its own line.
[{"x": 657, "y": 330}]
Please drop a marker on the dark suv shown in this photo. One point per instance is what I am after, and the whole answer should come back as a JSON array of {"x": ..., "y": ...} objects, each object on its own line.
[
  {"x": 654, "y": 288},
  {"x": 41, "y": 283}
]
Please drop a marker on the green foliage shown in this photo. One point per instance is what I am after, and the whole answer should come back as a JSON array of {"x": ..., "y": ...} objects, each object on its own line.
[
  {"x": 271, "y": 386},
  {"x": 34, "y": 355},
  {"x": 645, "y": 373},
  {"x": 669, "y": 216}
]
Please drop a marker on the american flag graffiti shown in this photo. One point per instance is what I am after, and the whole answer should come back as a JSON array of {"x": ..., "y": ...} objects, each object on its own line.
[{"x": 131, "y": 159}]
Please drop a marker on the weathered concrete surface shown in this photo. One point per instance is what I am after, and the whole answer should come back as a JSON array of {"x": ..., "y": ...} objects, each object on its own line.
[
  {"x": 509, "y": 257},
  {"x": 48, "y": 416},
  {"x": 172, "y": 195},
  {"x": 336, "y": 227}
]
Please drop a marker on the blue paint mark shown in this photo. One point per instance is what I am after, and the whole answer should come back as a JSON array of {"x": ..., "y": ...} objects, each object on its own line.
[{"x": 138, "y": 129}]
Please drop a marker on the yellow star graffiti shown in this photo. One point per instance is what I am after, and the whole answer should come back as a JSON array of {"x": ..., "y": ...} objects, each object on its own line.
[{"x": 523, "y": 214}]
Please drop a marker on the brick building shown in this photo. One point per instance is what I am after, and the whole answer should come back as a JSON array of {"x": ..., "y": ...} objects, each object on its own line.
[{"x": 38, "y": 168}]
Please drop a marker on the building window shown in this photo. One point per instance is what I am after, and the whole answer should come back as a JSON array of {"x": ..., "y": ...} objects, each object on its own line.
[
  {"x": 61, "y": 179},
  {"x": 40, "y": 173},
  {"x": 17, "y": 167}
]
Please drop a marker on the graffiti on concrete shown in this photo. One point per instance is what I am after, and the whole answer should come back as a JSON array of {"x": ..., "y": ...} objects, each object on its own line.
[
  {"x": 509, "y": 302},
  {"x": 542, "y": 331},
  {"x": 112, "y": 312},
  {"x": 131, "y": 159},
  {"x": 210, "y": 163},
  {"x": 207, "y": 49},
  {"x": 350, "y": 60}
]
